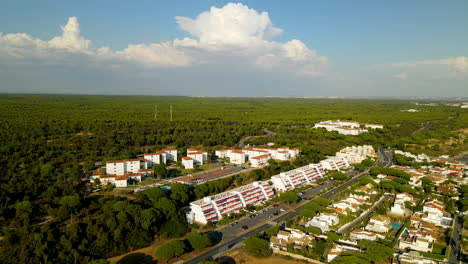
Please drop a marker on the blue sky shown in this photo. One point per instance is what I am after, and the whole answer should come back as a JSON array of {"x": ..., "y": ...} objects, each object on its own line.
[{"x": 302, "y": 48}]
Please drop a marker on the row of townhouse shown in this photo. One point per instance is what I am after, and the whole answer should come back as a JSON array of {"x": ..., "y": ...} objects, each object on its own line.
[
  {"x": 356, "y": 154},
  {"x": 289, "y": 236},
  {"x": 257, "y": 156},
  {"x": 214, "y": 208},
  {"x": 305, "y": 175},
  {"x": 194, "y": 157},
  {"x": 346, "y": 127}
]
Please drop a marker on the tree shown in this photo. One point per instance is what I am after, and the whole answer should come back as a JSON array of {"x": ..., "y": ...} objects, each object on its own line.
[
  {"x": 173, "y": 248},
  {"x": 199, "y": 241},
  {"x": 258, "y": 247},
  {"x": 338, "y": 175},
  {"x": 322, "y": 201},
  {"x": 271, "y": 231},
  {"x": 155, "y": 193},
  {"x": 180, "y": 193},
  {"x": 307, "y": 213},
  {"x": 367, "y": 162},
  {"x": 160, "y": 170},
  {"x": 288, "y": 197},
  {"x": 314, "y": 230}
]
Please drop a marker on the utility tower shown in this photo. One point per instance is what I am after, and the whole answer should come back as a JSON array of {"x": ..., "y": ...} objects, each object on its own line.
[{"x": 171, "y": 113}]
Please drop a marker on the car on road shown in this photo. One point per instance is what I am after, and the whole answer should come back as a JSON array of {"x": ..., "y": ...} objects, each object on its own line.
[
  {"x": 275, "y": 205},
  {"x": 276, "y": 213},
  {"x": 281, "y": 210},
  {"x": 244, "y": 227}
]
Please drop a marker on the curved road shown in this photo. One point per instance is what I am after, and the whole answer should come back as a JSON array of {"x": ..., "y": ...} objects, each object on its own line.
[
  {"x": 384, "y": 159},
  {"x": 241, "y": 143}
]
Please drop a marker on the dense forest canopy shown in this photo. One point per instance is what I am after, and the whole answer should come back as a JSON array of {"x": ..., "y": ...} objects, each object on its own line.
[{"x": 50, "y": 142}]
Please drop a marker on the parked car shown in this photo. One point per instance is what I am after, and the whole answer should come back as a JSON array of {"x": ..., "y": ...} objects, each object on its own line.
[
  {"x": 244, "y": 227},
  {"x": 275, "y": 205}
]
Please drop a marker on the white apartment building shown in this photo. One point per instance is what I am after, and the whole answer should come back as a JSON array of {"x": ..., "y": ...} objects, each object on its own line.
[
  {"x": 171, "y": 154},
  {"x": 122, "y": 167},
  {"x": 199, "y": 156},
  {"x": 260, "y": 161},
  {"x": 298, "y": 177},
  {"x": 155, "y": 158},
  {"x": 346, "y": 127},
  {"x": 214, "y": 208},
  {"x": 356, "y": 154},
  {"x": 187, "y": 162},
  {"x": 335, "y": 163}
]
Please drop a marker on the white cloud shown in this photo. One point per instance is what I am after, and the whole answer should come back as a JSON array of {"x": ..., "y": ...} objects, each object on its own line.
[
  {"x": 233, "y": 32},
  {"x": 233, "y": 24},
  {"x": 401, "y": 76},
  {"x": 71, "y": 38},
  {"x": 458, "y": 64}
]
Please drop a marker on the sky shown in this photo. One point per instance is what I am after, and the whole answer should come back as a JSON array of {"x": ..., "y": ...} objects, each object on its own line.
[{"x": 248, "y": 48}]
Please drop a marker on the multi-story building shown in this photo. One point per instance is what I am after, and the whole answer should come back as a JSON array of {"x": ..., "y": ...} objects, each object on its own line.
[
  {"x": 161, "y": 156},
  {"x": 199, "y": 156},
  {"x": 260, "y": 161},
  {"x": 346, "y": 127},
  {"x": 122, "y": 167},
  {"x": 298, "y": 177},
  {"x": 214, "y": 208},
  {"x": 356, "y": 154},
  {"x": 155, "y": 158},
  {"x": 187, "y": 162}
]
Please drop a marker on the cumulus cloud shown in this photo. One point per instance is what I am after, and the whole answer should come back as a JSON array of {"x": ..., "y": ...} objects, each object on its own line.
[
  {"x": 233, "y": 24},
  {"x": 71, "y": 38},
  {"x": 233, "y": 32}
]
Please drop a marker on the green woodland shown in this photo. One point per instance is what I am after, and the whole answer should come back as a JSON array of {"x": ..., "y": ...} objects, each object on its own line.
[{"x": 50, "y": 142}]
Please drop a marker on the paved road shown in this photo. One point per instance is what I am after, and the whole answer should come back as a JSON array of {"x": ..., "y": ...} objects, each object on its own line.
[
  {"x": 426, "y": 127},
  {"x": 232, "y": 235},
  {"x": 347, "y": 227},
  {"x": 455, "y": 239},
  {"x": 241, "y": 143}
]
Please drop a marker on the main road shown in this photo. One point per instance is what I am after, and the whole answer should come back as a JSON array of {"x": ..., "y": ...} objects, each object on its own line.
[{"x": 229, "y": 241}]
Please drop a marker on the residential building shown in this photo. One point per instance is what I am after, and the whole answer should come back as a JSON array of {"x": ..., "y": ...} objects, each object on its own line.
[
  {"x": 122, "y": 167},
  {"x": 214, "y": 208},
  {"x": 346, "y": 127},
  {"x": 187, "y": 162},
  {"x": 379, "y": 224},
  {"x": 158, "y": 157},
  {"x": 434, "y": 212},
  {"x": 356, "y": 154},
  {"x": 260, "y": 161},
  {"x": 324, "y": 221},
  {"x": 359, "y": 234},
  {"x": 293, "y": 237},
  {"x": 298, "y": 177},
  {"x": 338, "y": 249},
  {"x": 413, "y": 257},
  {"x": 199, "y": 156}
]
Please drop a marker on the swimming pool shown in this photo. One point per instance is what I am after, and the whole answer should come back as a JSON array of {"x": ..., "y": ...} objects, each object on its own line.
[{"x": 396, "y": 225}]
